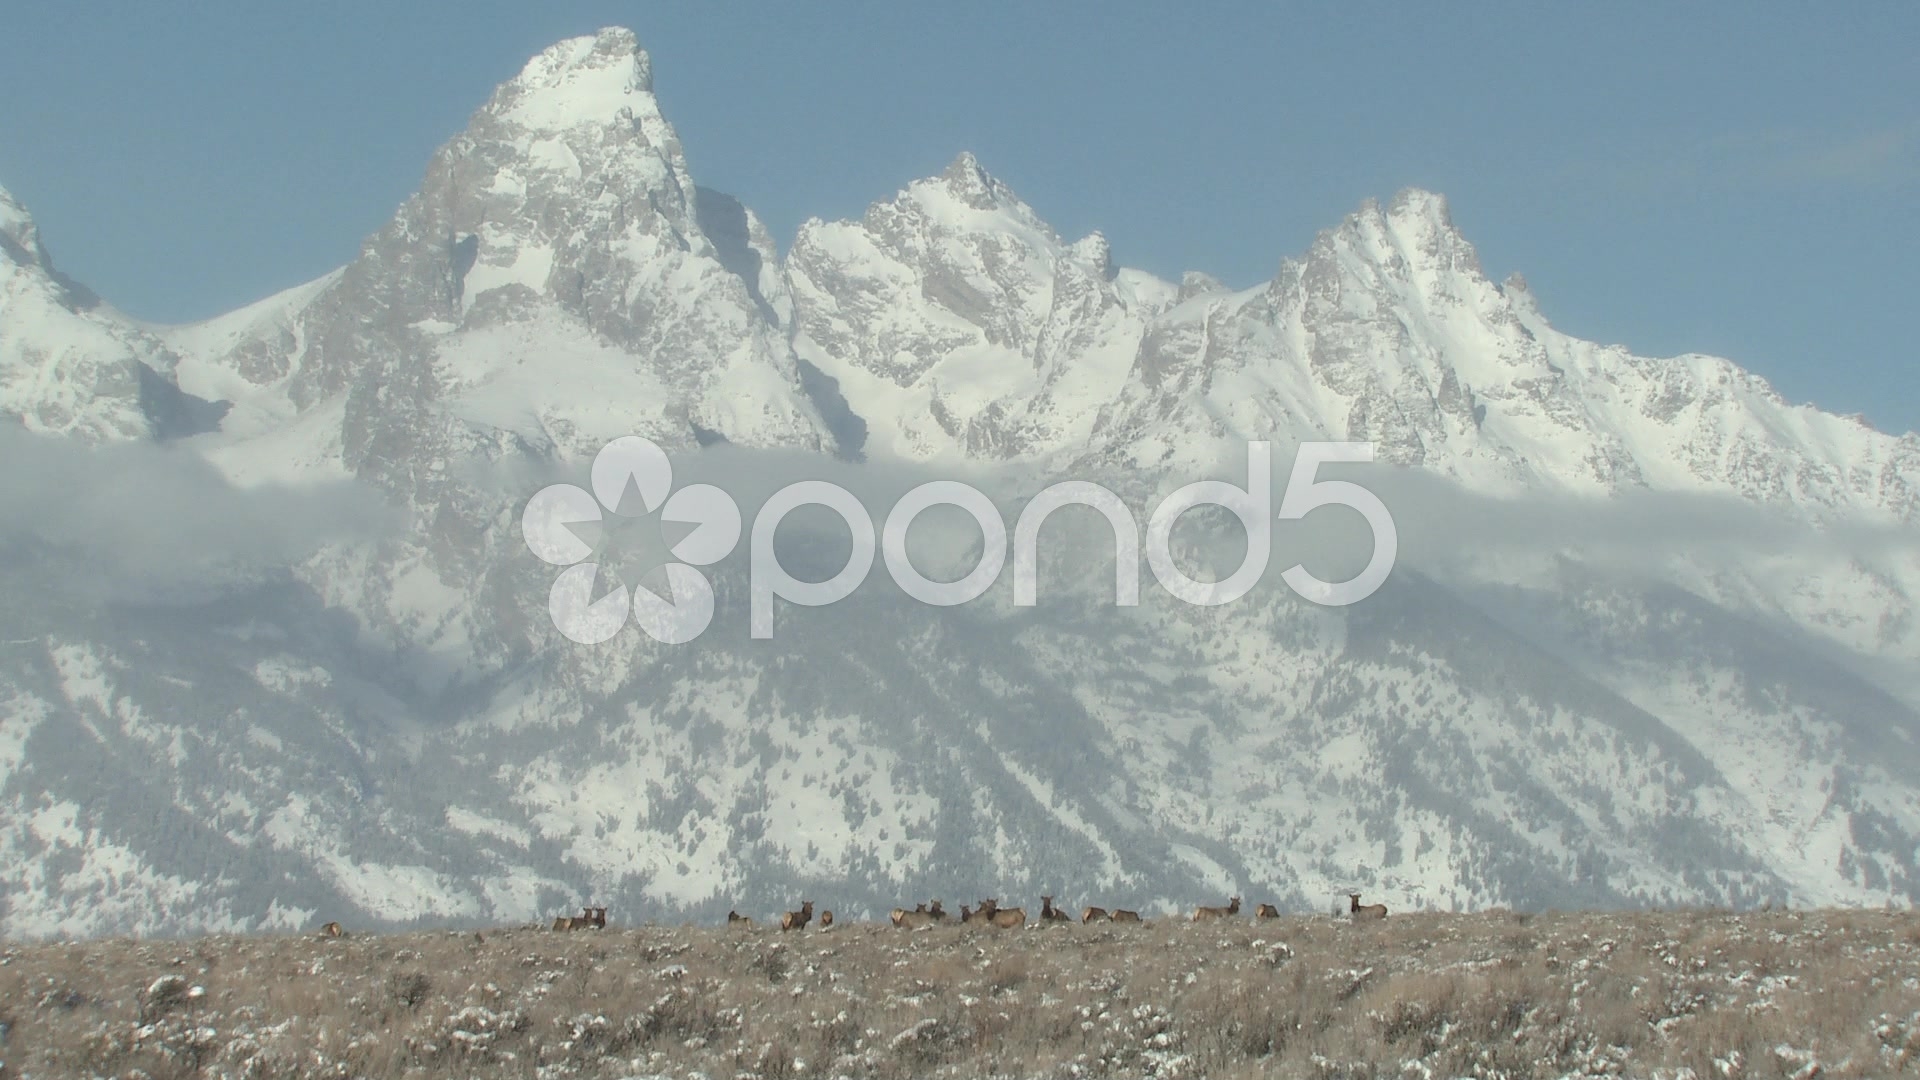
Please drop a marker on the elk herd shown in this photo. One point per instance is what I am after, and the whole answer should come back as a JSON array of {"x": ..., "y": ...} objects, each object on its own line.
[{"x": 986, "y": 912}]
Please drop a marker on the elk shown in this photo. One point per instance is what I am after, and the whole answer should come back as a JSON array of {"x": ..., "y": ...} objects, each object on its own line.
[
  {"x": 826, "y": 920},
  {"x": 332, "y": 929},
  {"x": 981, "y": 913},
  {"x": 1123, "y": 915},
  {"x": 1094, "y": 914},
  {"x": 590, "y": 918},
  {"x": 1049, "y": 913},
  {"x": 921, "y": 915},
  {"x": 1202, "y": 914},
  {"x": 734, "y": 918},
  {"x": 1008, "y": 918},
  {"x": 798, "y": 920},
  {"x": 1266, "y": 911},
  {"x": 1365, "y": 912}
]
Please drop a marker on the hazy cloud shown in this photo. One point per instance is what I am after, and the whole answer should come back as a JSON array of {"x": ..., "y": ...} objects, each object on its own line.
[
  {"x": 140, "y": 516},
  {"x": 1442, "y": 528}
]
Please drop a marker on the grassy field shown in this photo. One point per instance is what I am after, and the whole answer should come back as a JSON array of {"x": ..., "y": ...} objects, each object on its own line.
[{"x": 1708, "y": 995}]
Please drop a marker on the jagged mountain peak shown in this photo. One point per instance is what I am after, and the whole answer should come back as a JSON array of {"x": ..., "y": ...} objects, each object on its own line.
[
  {"x": 581, "y": 119},
  {"x": 1412, "y": 232},
  {"x": 579, "y": 80},
  {"x": 557, "y": 247},
  {"x": 1410, "y": 210},
  {"x": 1415, "y": 204},
  {"x": 971, "y": 183},
  {"x": 964, "y": 199},
  {"x": 1198, "y": 283},
  {"x": 1096, "y": 252},
  {"x": 20, "y": 244},
  {"x": 958, "y": 321}
]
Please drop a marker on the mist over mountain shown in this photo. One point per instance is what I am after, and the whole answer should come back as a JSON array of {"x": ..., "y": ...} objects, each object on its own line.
[{"x": 273, "y": 648}]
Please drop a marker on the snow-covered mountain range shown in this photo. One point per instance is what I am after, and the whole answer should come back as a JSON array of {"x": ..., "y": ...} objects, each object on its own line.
[{"x": 1654, "y": 639}]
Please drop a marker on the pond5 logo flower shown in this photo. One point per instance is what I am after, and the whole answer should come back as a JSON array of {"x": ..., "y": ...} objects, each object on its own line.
[{"x": 637, "y": 540}]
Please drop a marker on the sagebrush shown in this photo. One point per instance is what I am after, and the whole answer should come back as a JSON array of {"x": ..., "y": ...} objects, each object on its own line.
[{"x": 1677, "y": 994}]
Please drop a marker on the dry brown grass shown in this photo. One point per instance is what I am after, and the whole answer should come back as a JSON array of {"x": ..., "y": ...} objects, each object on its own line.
[{"x": 1701, "y": 994}]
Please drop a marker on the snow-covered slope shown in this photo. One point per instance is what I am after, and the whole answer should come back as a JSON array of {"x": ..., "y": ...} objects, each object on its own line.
[
  {"x": 69, "y": 364},
  {"x": 391, "y": 729}
]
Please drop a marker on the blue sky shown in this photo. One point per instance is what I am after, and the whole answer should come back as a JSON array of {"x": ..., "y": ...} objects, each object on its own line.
[{"x": 1739, "y": 179}]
